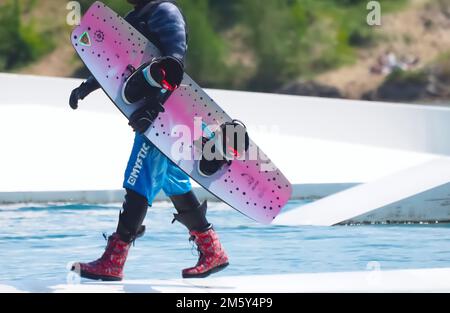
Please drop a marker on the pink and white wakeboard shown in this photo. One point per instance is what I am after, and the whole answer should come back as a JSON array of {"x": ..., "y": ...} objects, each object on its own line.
[{"x": 107, "y": 44}]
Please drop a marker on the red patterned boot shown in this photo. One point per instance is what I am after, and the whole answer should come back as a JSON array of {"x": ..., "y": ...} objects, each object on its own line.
[
  {"x": 212, "y": 257},
  {"x": 110, "y": 266}
]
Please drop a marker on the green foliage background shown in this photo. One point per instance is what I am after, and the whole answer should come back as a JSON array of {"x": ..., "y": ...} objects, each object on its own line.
[
  {"x": 282, "y": 39},
  {"x": 20, "y": 43}
]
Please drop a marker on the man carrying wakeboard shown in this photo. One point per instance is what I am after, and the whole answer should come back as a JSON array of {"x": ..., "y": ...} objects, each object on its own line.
[{"x": 148, "y": 170}]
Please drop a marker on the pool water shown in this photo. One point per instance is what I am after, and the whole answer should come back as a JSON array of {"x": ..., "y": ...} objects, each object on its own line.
[{"x": 38, "y": 241}]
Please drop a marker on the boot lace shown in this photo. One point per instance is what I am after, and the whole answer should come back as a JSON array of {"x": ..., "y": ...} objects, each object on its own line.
[
  {"x": 194, "y": 246},
  {"x": 108, "y": 249}
]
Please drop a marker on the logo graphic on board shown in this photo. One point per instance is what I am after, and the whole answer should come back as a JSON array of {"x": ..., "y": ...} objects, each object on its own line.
[
  {"x": 99, "y": 36},
  {"x": 85, "y": 39}
]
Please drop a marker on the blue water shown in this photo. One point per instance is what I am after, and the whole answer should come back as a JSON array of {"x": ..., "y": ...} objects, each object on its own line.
[{"x": 37, "y": 243}]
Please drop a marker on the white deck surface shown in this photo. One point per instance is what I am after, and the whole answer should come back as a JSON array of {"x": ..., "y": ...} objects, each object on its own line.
[
  {"x": 314, "y": 141},
  {"x": 63, "y": 150},
  {"x": 423, "y": 280}
]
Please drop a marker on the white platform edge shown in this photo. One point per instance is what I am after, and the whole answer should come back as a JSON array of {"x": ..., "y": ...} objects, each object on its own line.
[
  {"x": 414, "y": 280},
  {"x": 364, "y": 198}
]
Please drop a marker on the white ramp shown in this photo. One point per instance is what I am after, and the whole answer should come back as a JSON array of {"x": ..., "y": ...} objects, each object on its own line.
[
  {"x": 420, "y": 280},
  {"x": 368, "y": 197}
]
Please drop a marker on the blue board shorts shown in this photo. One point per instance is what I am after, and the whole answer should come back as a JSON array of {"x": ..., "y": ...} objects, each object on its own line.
[{"x": 148, "y": 171}]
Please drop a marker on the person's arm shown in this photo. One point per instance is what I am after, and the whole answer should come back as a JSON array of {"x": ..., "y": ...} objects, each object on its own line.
[
  {"x": 81, "y": 92},
  {"x": 168, "y": 25},
  {"x": 88, "y": 86}
]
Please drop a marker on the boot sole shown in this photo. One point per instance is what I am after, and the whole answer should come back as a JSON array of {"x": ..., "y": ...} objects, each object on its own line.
[
  {"x": 206, "y": 274},
  {"x": 98, "y": 277}
]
